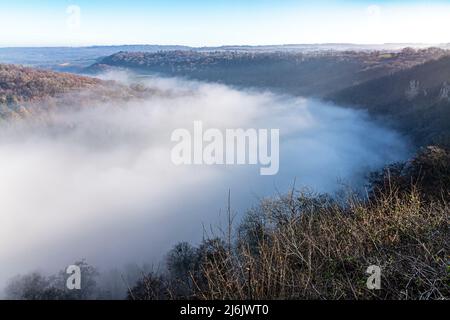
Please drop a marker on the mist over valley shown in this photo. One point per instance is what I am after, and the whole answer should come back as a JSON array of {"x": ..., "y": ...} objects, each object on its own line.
[{"x": 95, "y": 172}]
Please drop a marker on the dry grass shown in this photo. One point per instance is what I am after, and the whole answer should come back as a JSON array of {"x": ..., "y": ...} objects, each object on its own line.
[
  {"x": 308, "y": 246},
  {"x": 300, "y": 248}
]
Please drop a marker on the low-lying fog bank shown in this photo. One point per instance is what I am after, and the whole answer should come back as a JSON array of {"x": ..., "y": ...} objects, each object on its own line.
[{"x": 99, "y": 183}]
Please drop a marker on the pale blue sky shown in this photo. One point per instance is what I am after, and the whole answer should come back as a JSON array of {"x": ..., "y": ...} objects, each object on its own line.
[{"x": 221, "y": 22}]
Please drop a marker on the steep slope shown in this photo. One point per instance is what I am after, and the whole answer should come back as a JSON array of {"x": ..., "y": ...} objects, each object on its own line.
[
  {"x": 311, "y": 74},
  {"x": 418, "y": 99}
]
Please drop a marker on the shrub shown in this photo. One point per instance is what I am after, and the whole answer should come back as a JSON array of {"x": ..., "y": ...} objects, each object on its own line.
[{"x": 308, "y": 246}]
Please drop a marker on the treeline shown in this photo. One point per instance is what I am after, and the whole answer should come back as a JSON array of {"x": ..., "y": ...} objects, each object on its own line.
[{"x": 304, "y": 245}]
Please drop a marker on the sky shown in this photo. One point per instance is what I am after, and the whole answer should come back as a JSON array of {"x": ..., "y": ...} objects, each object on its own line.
[{"x": 221, "y": 22}]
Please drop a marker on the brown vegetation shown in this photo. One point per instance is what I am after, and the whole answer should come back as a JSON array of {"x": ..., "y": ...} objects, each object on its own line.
[
  {"x": 20, "y": 84},
  {"x": 306, "y": 246},
  {"x": 25, "y": 91}
]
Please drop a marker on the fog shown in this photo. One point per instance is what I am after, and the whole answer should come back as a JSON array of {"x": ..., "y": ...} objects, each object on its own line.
[{"x": 98, "y": 182}]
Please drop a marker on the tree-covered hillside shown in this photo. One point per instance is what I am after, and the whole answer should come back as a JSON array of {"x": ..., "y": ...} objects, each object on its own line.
[
  {"x": 311, "y": 74},
  {"x": 25, "y": 91},
  {"x": 418, "y": 99},
  {"x": 408, "y": 89},
  {"x": 20, "y": 84}
]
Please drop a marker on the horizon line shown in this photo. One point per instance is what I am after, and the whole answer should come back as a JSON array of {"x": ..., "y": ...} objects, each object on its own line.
[{"x": 228, "y": 45}]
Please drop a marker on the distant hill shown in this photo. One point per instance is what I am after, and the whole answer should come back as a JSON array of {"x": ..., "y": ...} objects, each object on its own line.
[
  {"x": 21, "y": 84},
  {"x": 417, "y": 98},
  {"x": 408, "y": 88},
  {"x": 70, "y": 59},
  {"x": 26, "y": 90},
  {"x": 74, "y": 59},
  {"x": 317, "y": 73}
]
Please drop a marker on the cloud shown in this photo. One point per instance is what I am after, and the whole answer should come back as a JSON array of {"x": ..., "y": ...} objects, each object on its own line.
[{"x": 98, "y": 183}]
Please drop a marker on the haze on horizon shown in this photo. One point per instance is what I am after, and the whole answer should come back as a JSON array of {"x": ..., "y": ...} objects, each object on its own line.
[{"x": 214, "y": 23}]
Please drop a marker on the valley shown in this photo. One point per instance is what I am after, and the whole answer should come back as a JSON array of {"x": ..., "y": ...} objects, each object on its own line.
[{"x": 90, "y": 151}]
